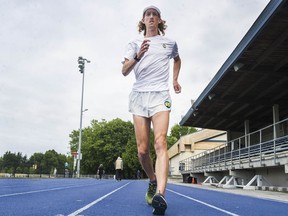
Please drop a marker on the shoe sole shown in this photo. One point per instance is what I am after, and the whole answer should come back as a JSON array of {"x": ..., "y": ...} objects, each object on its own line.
[{"x": 159, "y": 205}]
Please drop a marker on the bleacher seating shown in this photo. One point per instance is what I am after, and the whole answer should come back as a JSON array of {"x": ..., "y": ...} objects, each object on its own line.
[{"x": 221, "y": 156}]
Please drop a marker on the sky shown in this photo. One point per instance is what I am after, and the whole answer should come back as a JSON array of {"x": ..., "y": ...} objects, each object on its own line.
[{"x": 40, "y": 84}]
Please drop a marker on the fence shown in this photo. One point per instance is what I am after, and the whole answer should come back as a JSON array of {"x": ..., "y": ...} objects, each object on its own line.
[{"x": 45, "y": 176}]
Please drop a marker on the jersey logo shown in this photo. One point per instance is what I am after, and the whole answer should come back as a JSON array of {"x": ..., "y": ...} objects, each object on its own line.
[
  {"x": 164, "y": 45},
  {"x": 167, "y": 104}
]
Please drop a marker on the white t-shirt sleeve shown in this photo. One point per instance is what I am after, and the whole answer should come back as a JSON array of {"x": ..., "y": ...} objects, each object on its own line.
[{"x": 131, "y": 50}]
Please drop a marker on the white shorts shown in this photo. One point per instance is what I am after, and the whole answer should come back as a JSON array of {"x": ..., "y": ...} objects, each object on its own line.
[{"x": 148, "y": 104}]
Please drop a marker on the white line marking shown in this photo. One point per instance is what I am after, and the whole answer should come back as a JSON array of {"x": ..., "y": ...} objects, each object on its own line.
[
  {"x": 96, "y": 201},
  {"x": 44, "y": 190},
  {"x": 211, "y": 206}
]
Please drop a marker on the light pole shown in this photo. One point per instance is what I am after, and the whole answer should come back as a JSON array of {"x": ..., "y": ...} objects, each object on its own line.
[{"x": 81, "y": 65}]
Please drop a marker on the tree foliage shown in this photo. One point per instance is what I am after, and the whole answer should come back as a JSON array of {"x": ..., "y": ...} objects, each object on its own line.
[
  {"x": 177, "y": 131},
  {"x": 38, "y": 163},
  {"x": 102, "y": 143},
  {"x": 12, "y": 162}
]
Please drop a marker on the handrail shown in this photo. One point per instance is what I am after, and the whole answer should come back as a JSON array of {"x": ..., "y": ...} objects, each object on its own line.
[{"x": 270, "y": 140}]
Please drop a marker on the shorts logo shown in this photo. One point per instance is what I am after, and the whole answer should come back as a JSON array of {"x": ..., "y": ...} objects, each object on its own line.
[{"x": 167, "y": 104}]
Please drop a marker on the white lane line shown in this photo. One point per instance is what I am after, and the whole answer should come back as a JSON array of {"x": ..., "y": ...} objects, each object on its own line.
[
  {"x": 211, "y": 206},
  {"x": 44, "y": 190},
  {"x": 96, "y": 201}
]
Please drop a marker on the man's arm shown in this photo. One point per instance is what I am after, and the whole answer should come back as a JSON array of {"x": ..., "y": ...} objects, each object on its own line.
[
  {"x": 176, "y": 71},
  {"x": 128, "y": 65}
]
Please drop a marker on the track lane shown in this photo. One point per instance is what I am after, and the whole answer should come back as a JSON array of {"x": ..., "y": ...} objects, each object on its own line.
[{"x": 90, "y": 197}]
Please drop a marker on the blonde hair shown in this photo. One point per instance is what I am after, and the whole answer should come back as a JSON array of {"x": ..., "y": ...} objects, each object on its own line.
[{"x": 161, "y": 27}]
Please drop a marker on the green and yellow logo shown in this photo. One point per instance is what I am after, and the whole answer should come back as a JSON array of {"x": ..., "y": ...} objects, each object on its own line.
[{"x": 167, "y": 104}]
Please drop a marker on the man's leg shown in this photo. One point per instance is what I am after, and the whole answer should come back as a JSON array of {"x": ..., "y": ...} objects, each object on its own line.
[
  {"x": 160, "y": 123},
  {"x": 117, "y": 175},
  {"x": 142, "y": 130}
]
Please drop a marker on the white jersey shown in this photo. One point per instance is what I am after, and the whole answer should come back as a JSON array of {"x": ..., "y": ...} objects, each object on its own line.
[{"x": 152, "y": 71}]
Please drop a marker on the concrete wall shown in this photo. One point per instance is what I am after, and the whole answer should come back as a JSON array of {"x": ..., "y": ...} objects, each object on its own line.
[
  {"x": 174, "y": 162},
  {"x": 275, "y": 175}
]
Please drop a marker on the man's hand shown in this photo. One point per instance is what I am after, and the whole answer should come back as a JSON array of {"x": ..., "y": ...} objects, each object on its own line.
[
  {"x": 143, "y": 49},
  {"x": 177, "y": 87}
]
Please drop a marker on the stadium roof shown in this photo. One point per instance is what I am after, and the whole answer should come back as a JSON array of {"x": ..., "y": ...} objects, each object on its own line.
[{"x": 252, "y": 79}]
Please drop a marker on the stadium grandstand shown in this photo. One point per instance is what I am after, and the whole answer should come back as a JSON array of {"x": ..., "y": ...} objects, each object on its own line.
[{"x": 247, "y": 98}]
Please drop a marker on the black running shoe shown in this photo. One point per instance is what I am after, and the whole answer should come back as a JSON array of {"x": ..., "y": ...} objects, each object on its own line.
[{"x": 159, "y": 204}]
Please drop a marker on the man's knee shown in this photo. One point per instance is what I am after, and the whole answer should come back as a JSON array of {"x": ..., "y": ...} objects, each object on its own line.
[
  {"x": 160, "y": 144},
  {"x": 142, "y": 154}
]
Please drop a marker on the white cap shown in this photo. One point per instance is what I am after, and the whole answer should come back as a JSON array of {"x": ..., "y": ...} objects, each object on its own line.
[{"x": 152, "y": 7}]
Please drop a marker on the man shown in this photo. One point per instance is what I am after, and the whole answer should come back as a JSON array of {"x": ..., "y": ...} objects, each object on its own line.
[
  {"x": 100, "y": 171},
  {"x": 138, "y": 174},
  {"x": 150, "y": 101},
  {"x": 119, "y": 168}
]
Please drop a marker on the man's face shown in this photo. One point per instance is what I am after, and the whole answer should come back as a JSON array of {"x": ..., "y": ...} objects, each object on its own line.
[{"x": 151, "y": 18}]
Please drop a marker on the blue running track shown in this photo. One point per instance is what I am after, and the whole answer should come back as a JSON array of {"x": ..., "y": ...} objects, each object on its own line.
[{"x": 91, "y": 197}]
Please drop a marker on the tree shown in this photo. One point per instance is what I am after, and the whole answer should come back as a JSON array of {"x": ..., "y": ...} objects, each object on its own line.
[
  {"x": 62, "y": 159},
  {"x": 102, "y": 143},
  {"x": 177, "y": 131},
  {"x": 130, "y": 159},
  {"x": 50, "y": 161},
  {"x": 14, "y": 163},
  {"x": 130, "y": 156},
  {"x": 1, "y": 164},
  {"x": 36, "y": 161},
  {"x": 11, "y": 161},
  {"x": 47, "y": 162}
]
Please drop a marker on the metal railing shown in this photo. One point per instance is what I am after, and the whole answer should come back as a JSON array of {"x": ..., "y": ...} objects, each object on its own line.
[{"x": 268, "y": 142}]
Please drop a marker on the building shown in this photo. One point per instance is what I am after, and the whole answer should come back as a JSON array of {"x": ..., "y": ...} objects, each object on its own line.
[
  {"x": 193, "y": 144},
  {"x": 248, "y": 98}
]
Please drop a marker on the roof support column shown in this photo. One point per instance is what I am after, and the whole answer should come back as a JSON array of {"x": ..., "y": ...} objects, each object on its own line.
[
  {"x": 275, "y": 120},
  {"x": 247, "y": 131},
  {"x": 275, "y": 127}
]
